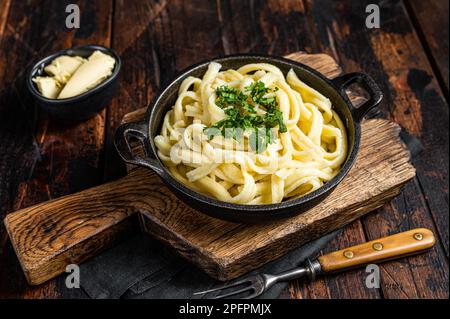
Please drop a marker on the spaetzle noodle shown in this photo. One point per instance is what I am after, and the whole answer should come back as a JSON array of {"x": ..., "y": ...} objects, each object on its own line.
[{"x": 298, "y": 161}]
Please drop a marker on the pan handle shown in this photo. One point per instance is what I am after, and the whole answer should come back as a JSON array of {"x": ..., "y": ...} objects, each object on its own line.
[
  {"x": 368, "y": 84},
  {"x": 139, "y": 131}
]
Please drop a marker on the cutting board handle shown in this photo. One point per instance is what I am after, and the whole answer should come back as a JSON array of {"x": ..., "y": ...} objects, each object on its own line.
[
  {"x": 68, "y": 230},
  {"x": 391, "y": 247}
]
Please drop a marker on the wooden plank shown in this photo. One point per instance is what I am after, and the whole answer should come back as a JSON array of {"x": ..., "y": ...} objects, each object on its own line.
[
  {"x": 271, "y": 27},
  {"x": 431, "y": 21},
  {"x": 416, "y": 276},
  {"x": 42, "y": 159},
  {"x": 4, "y": 10},
  {"x": 394, "y": 57},
  {"x": 428, "y": 118}
]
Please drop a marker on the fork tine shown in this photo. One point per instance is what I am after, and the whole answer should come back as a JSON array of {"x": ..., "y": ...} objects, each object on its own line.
[
  {"x": 207, "y": 291},
  {"x": 235, "y": 292},
  {"x": 237, "y": 283},
  {"x": 253, "y": 295}
]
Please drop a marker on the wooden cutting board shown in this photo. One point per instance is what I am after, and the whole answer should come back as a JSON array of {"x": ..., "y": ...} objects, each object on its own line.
[{"x": 49, "y": 236}]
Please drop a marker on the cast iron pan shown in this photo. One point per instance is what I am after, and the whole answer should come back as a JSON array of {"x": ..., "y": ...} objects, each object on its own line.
[{"x": 335, "y": 90}]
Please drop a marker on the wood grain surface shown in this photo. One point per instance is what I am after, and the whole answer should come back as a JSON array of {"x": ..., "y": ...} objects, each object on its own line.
[
  {"x": 157, "y": 38},
  {"x": 431, "y": 19}
]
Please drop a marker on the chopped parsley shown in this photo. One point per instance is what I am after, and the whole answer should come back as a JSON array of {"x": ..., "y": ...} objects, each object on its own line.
[{"x": 239, "y": 106}]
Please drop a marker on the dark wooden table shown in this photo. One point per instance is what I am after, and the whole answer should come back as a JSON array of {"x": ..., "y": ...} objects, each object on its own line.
[{"x": 408, "y": 57}]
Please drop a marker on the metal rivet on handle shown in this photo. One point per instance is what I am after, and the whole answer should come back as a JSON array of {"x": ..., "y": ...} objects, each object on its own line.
[
  {"x": 418, "y": 236},
  {"x": 348, "y": 254},
  {"x": 377, "y": 246}
]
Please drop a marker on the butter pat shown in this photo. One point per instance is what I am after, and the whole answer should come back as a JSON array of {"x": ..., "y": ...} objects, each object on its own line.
[
  {"x": 48, "y": 86},
  {"x": 88, "y": 75},
  {"x": 63, "y": 67}
]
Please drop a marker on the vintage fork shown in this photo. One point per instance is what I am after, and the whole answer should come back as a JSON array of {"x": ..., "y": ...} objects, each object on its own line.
[{"x": 391, "y": 247}]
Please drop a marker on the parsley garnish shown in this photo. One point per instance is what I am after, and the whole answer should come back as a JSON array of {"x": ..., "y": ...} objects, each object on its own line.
[{"x": 241, "y": 115}]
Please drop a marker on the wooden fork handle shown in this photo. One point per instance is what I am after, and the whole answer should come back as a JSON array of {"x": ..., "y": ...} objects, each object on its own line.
[{"x": 391, "y": 247}]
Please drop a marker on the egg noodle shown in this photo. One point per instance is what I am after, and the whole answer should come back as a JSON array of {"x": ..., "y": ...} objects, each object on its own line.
[{"x": 308, "y": 154}]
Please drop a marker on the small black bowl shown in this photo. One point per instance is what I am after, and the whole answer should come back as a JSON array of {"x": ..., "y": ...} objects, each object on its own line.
[{"x": 83, "y": 106}]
